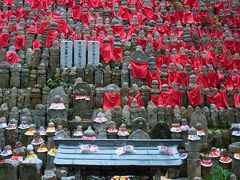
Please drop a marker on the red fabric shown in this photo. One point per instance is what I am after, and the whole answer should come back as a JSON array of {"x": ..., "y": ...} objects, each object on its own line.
[
  {"x": 143, "y": 43},
  {"x": 106, "y": 53},
  {"x": 119, "y": 30},
  {"x": 203, "y": 80},
  {"x": 124, "y": 13},
  {"x": 192, "y": 3},
  {"x": 155, "y": 100},
  {"x": 189, "y": 17},
  {"x": 62, "y": 2},
  {"x": 44, "y": 26},
  {"x": 117, "y": 54},
  {"x": 181, "y": 79},
  {"x": 20, "y": 42},
  {"x": 51, "y": 36},
  {"x": 220, "y": 100},
  {"x": 36, "y": 44},
  {"x": 237, "y": 100},
  {"x": 223, "y": 99},
  {"x": 140, "y": 70},
  {"x": 133, "y": 30},
  {"x": 148, "y": 12},
  {"x": 86, "y": 19},
  {"x": 111, "y": 100},
  {"x": 12, "y": 58},
  {"x": 230, "y": 45},
  {"x": 194, "y": 97},
  {"x": 63, "y": 27},
  {"x": 138, "y": 97},
  {"x": 229, "y": 83},
  {"x": 235, "y": 81},
  {"x": 8, "y": 3},
  {"x": 4, "y": 38},
  {"x": 12, "y": 28},
  {"x": 153, "y": 76},
  {"x": 173, "y": 98},
  {"x": 94, "y": 4},
  {"x": 212, "y": 79},
  {"x": 219, "y": 7},
  {"x": 33, "y": 30},
  {"x": 76, "y": 12}
]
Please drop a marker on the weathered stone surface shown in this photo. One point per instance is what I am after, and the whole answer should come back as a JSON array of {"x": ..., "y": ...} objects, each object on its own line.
[{"x": 11, "y": 167}]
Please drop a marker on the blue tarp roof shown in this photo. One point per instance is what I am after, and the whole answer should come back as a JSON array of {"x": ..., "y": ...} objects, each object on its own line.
[{"x": 71, "y": 155}]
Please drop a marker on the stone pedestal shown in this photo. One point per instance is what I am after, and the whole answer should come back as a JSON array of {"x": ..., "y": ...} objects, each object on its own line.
[
  {"x": 11, "y": 137},
  {"x": 193, "y": 162},
  {"x": 235, "y": 148},
  {"x": 22, "y": 137},
  {"x": 9, "y": 170},
  {"x": 15, "y": 80},
  {"x": 2, "y": 137},
  {"x": 50, "y": 164},
  {"x": 29, "y": 169},
  {"x": 25, "y": 77},
  {"x": 84, "y": 123},
  {"x": 43, "y": 157},
  {"x": 112, "y": 135},
  {"x": 4, "y": 73},
  {"x": 206, "y": 171}
]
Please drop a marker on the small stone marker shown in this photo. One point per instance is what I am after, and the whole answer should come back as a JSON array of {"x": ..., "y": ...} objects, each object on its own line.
[
  {"x": 80, "y": 47},
  {"x": 66, "y": 54}
]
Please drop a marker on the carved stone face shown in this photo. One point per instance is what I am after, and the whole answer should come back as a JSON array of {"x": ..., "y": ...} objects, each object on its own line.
[
  {"x": 204, "y": 70},
  {"x": 116, "y": 8},
  {"x": 228, "y": 35},
  {"x": 235, "y": 36},
  {"x": 173, "y": 40},
  {"x": 156, "y": 36},
  {"x": 222, "y": 87},
  {"x": 210, "y": 67},
  {"x": 205, "y": 40},
  {"x": 135, "y": 20},
  {"x": 133, "y": 8},
  {"x": 219, "y": 49},
  {"x": 174, "y": 52},
  {"x": 204, "y": 55},
  {"x": 234, "y": 72},
  {"x": 226, "y": 74},
  {"x": 171, "y": 10},
  {"x": 179, "y": 68},
  {"x": 188, "y": 69},
  {"x": 172, "y": 67},
  {"x": 179, "y": 25},
  {"x": 166, "y": 53},
  {"x": 165, "y": 88},
  {"x": 141, "y": 34},
  {"x": 160, "y": 22}
]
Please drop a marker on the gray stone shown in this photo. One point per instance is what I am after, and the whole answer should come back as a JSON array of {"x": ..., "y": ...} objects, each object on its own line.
[
  {"x": 93, "y": 52},
  {"x": 82, "y": 103},
  {"x": 152, "y": 114},
  {"x": 11, "y": 167},
  {"x": 198, "y": 117},
  {"x": 30, "y": 169},
  {"x": 66, "y": 54},
  {"x": 80, "y": 53},
  {"x": 58, "y": 116}
]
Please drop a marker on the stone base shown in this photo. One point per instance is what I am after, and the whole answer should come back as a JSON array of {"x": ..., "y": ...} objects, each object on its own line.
[
  {"x": 84, "y": 123},
  {"x": 193, "y": 168}
]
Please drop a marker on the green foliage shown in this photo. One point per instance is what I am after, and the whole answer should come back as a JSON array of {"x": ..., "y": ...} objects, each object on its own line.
[
  {"x": 53, "y": 83},
  {"x": 33, "y": 67},
  {"x": 218, "y": 173},
  {"x": 123, "y": 119}
]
